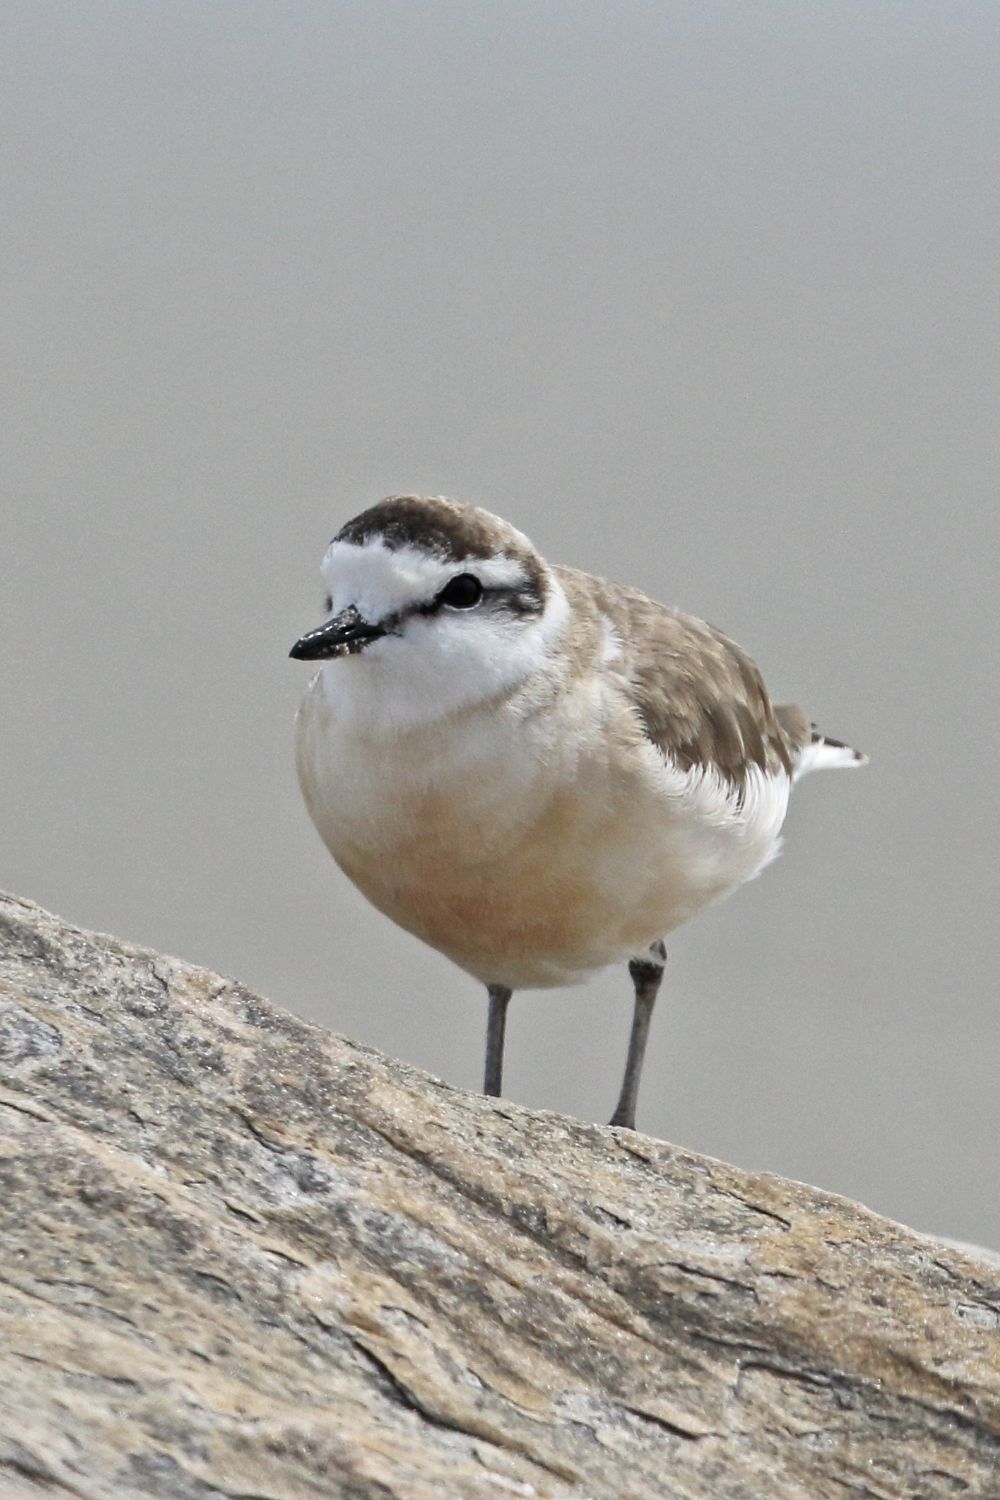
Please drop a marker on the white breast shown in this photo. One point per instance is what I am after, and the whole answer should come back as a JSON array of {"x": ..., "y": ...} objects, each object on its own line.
[{"x": 533, "y": 842}]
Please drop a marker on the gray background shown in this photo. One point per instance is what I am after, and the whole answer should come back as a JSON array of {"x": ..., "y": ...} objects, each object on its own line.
[{"x": 704, "y": 297}]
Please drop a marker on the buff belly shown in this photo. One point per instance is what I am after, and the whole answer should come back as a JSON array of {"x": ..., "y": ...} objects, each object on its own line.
[{"x": 528, "y": 863}]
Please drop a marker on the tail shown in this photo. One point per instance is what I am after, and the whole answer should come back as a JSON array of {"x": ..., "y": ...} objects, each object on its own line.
[{"x": 811, "y": 750}]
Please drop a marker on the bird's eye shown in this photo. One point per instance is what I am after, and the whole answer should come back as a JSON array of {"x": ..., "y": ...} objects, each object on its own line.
[
  {"x": 328, "y": 603},
  {"x": 461, "y": 592}
]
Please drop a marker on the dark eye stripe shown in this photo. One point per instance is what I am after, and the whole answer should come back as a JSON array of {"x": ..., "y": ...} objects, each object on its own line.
[
  {"x": 517, "y": 599},
  {"x": 524, "y": 600}
]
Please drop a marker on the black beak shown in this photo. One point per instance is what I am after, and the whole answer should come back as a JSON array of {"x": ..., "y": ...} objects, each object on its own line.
[{"x": 344, "y": 635}]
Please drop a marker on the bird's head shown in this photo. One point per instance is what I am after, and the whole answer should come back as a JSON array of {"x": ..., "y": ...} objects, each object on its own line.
[{"x": 443, "y": 604}]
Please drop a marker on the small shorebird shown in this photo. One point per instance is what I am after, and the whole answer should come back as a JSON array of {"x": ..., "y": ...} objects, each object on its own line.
[{"x": 537, "y": 772}]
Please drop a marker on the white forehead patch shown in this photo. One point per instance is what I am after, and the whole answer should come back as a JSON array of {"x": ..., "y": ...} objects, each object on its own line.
[{"x": 382, "y": 581}]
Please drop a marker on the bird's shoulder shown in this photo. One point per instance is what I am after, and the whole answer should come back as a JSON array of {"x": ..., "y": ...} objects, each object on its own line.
[{"x": 699, "y": 696}]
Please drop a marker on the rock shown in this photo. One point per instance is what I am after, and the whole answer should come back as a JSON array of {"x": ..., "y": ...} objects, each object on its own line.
[{"x": 241, "y": 1257}]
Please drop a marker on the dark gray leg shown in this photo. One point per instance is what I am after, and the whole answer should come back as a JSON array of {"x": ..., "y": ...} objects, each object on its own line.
[
  {"x": 499, "y": 1000},
  {"x": 646, "y": 975}
]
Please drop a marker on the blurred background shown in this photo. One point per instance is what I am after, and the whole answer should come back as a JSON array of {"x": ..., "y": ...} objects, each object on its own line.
[{"x": 703, "y": 297}]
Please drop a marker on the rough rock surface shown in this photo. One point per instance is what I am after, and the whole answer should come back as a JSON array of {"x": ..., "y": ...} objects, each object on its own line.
[{"x": 240, "y": 1257}]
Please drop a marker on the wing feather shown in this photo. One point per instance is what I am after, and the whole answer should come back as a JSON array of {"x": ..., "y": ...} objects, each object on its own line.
[{"x": 699, "y": 697}]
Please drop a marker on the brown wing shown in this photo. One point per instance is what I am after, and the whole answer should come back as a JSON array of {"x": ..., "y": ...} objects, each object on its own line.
[{"x": 699, "y": 696}]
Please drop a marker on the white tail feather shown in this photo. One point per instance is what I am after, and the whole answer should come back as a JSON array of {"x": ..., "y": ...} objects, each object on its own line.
[{"x": 822, "y": 755}]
